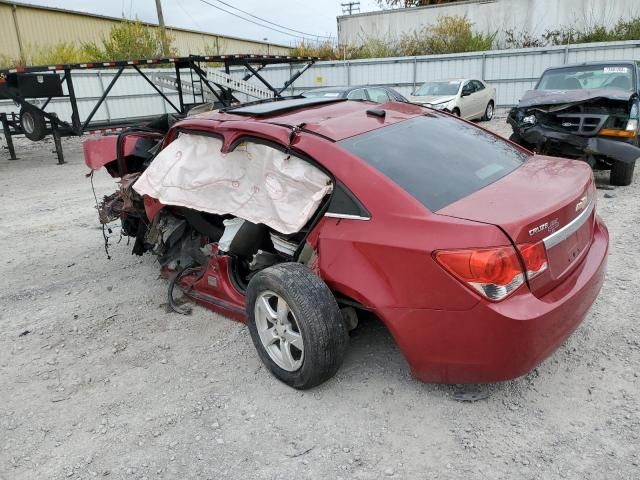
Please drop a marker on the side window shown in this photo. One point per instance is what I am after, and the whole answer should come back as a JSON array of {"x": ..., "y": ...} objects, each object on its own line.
[
  {"x": 478, "y": 85},
  {"x": 467, "y": 88},
  {"x": 378, "y": 95},
  {"x": 344, "y": 204},
  {"x": 358, "y": 94}
]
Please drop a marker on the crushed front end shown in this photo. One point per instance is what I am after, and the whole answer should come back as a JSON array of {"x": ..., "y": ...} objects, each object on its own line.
[{"x": 598, "y": 126}]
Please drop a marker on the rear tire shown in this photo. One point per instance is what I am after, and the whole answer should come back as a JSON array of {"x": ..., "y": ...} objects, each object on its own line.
[
  {"x": 33, "y": 124},
  {"x": 296, "y": 325},
  {"x": 622, "y": 173},
  {"x": 488, "y": 112}
]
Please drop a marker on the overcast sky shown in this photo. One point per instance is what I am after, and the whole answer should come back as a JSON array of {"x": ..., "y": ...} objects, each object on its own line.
[{"x": 313, "y": 17}]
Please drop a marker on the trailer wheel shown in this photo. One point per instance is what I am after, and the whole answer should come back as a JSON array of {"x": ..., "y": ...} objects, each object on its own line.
[
  {"x": 33, "y": 124},
  {"x": 622, "y": 173}
]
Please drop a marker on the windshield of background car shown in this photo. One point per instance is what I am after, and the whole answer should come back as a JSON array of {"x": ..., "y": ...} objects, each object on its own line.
[
  {"x": 437, "y": 159},
  {"x": 587, "y": 76},
  {"x": 437, "y": 88},
  {"x": 322, "y": 93}
]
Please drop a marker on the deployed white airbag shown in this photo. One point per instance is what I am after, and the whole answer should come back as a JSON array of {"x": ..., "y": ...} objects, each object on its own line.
[{"x": 255, "y": 182}]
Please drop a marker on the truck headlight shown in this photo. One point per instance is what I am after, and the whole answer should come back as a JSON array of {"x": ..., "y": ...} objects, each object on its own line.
[{"x": 529, "y": 120}]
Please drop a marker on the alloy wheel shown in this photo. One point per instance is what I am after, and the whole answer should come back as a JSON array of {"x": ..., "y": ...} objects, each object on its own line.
[
  {"x": 489, "y": 113},
  {"x": 279, "y": 331}
]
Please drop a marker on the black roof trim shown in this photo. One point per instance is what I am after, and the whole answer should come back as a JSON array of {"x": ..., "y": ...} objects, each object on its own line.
[{"x": 274, "y": 107}]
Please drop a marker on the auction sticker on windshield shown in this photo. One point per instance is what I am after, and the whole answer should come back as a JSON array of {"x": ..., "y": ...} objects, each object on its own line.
[{"x": 616, "y": 69}]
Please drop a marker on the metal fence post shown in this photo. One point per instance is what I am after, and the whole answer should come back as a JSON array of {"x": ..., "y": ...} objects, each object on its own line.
[
  {"x": 106, "y": 102},
  {"x": 484, "y": 65},
  {"x": 348, "y": 67},
  {"x": 415, "y": 73},
  {"x": 291, "y": 75}
]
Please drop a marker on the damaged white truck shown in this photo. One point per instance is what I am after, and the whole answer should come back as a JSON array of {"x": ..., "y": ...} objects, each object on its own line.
[{"x": 588, "y": 112}]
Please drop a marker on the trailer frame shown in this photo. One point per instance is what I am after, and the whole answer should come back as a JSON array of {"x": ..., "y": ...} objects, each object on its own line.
[{"x": 58, "y": 128}]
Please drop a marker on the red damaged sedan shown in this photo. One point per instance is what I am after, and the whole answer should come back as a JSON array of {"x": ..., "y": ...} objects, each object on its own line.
[{"x": 295, "y": 216}]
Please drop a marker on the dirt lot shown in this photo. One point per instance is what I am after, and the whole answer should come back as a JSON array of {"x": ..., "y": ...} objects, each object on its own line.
[{"x": 107, "y": 384}]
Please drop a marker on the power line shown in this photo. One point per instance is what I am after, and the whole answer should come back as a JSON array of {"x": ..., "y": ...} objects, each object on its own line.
[
  {"x": 350, "y": 7},
  {"x": 261, "y": 25},
  {"x": 271, "y": 23},
  {"x": 195, "y": 22}
]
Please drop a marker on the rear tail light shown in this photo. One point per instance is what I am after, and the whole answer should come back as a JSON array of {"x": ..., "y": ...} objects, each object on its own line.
[
  {"x": 534, "y": 257},
  {"x": 494, "y": 272}
]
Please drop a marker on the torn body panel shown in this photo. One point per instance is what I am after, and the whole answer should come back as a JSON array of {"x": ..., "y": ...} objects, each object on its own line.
[
  {"x": 262, "y": 198},
  {"x": 555, "y": 100}
]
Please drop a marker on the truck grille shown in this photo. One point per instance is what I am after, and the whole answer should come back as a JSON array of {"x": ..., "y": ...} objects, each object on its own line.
[{"x": 581, "y": 123}]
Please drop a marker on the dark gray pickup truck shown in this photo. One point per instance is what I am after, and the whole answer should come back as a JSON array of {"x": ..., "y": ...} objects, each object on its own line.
[{"x": 588, "y": 112}]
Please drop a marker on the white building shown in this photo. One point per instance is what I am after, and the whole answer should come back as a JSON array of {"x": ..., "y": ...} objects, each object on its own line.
[{"x": 534, "y": 17}]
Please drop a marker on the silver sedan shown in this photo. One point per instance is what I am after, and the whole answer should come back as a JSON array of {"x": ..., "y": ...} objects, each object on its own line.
[{"x": 467, "y": 98}]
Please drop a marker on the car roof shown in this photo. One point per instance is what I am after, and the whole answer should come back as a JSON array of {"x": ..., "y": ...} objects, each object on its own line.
[
  {"x": 335, "y": 119},
  {"x": 345, "y": 88},
  {"x": 601, "y": 62},
  {"x": 333, "y": 89},
  {"x": 450, "y": 80}
]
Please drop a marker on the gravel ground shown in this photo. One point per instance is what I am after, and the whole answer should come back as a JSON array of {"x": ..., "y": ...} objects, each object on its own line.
[{"x": 98, "y": 380}]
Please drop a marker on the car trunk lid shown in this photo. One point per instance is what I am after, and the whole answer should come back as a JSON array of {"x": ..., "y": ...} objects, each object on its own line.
[{"x": 546, "y": 199}]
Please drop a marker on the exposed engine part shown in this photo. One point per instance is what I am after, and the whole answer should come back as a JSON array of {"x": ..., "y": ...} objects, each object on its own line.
[
  {"x": 164, "y": 233},
  {"x": 243, "y": 238},
  {"x": 126, "y": 201},
  {"x": 174, "y": 242},
  {"x": 263, "y": 259},
  {"x": 231, "y": 228},
  {"x": 283, "y": 246},
  {"x": 205, "y": 223},
  {"x": 110, "y": 207},
  {"x": 132, "y": 201}
]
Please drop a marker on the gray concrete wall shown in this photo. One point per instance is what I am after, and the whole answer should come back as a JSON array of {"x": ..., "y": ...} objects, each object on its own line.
[{"x": 533, "y": 16}]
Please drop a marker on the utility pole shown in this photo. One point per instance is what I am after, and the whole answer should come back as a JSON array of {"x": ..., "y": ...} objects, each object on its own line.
[
  {"x": 163, "y": 34},
  {"x": 350, "y": 7}
]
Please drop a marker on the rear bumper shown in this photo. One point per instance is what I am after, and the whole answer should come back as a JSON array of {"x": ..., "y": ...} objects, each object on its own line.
[{"x": 498, "y": 341}]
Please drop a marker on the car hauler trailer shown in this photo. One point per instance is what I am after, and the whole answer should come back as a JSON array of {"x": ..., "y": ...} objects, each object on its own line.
[{"x": 28, "y": 86}]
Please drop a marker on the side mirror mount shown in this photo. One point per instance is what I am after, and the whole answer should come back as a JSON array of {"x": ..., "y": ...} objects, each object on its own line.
[{"x": 465, "y": 92}]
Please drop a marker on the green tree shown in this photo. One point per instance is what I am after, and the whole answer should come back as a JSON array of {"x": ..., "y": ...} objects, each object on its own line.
[{"x": 451, "y": 34}]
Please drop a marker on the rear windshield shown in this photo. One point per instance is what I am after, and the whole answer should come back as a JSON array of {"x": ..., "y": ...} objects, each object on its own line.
[
  {"x": 587, "y": 76},
  {"x": 322, "y": 93},
  {"x": 437, "y": 159}
]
